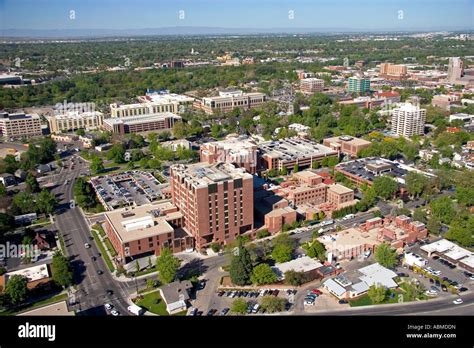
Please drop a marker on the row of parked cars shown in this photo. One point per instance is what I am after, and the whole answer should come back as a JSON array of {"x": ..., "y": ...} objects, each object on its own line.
[
  {"x": 251, "y": 294},
  {"x": 311, "y": 297}
]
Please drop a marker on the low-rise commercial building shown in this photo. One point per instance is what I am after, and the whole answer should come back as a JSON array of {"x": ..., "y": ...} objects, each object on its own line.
[
  {"x": 145, "y": 230},
  {"x": 450, "y": 252},
  {"x": 346, "y": 145},
  {"x": 139, "y": 124},
  {"x": 19, "y": 125},
  {"x": 446, "y": 101}
]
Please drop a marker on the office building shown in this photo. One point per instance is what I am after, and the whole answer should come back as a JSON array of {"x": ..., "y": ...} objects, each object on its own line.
[
  {"x": 391, "y": 71},
  {"x": 216, "y": 201},
  {"x": 230, "y": 99},
  {"x": 455, "y": 69},
  {"x": 408, "y": 120},
  {"x": 145, "y": 230},
  {"x": 446, "y": 101},
  {"x": 346, "y": 144},
  {"x": 311, "y": 85},
  {"x": 359, "y": 85},
  {"x": 74, "y": 120},
  {"x": 20, "y": 125},
  {"x": 163, "y": 121}
]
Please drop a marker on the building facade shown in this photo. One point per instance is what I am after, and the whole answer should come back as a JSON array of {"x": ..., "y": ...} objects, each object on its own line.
[
  {"x": 391, "y": 71},
  {"x": 347, "y": 145},
  {"x": 408, "y": 120},
  {"x": 20, "y": 125},
  {"x": 358, "y": 85},
  {"x": 75, "y": 120},
  {"x": 138, "y": 124},
  {"x": 216, "y": 201},
  {"x": 311, "y": 85},
  {"x": 228, "y": 100}
]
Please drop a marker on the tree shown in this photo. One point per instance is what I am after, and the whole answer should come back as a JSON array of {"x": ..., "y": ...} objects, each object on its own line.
[
  {"x": 46, "y": 202},
  {"x": 62, "y": 270},
  {"x": 461, "y": 231},
  {"x": 315, "y": 249},
  {"x": 377, "y": 294},
  {"x": 419, "y": 215},
  {"x": 167, "y": 266},
  {"x": 385, "y": 255},
  {"x": 415, "y": 183},
  {"x": 240, "y": 266},
  {"x": 283, "y": 247},
  {"x": 3, "y": 190},
  {"x": 17, "y": 289},
  {"x": 443, "y": 209},
  {"x": 263, "y": 274},
  {"x": 294, "y": 278},
  {"x": 273, "y": 304},
  {"x": 465, "y": 196},
  {"x": 433, "y": 225},
  {"x": 24, "y": 202},
  {"x": 97, "y": 165},
  {"x": 295, "y": 168},
  {"x": 81, "y": 132},
  {"x": 239, "y": 306},
  {"x": 32, "y": 185},
  {"x": 117, "y": 153},
  {"x": 385, "y": 187}
]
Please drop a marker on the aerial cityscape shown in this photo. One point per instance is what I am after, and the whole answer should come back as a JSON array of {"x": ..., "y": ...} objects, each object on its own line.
[{"x": 274, "y": 170}]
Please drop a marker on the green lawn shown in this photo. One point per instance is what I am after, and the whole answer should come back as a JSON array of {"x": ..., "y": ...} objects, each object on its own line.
[
  {"x": 101, "y": 247},
  {"x": 99, "y": 229},
  {"x": 153, "y": 303},
  {"x": 110, "y": 247},
  {"x": 366, "y": 301}
]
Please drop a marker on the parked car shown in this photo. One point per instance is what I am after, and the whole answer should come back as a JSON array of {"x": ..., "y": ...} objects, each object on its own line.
[
  {"x": 255, "y": 308},
  {"x": 276, "y": 292},
  {"x": 99, "y": 272},
  {"x": 463, "y": 289},
  {"x": 87, "y": 245},
  {"x": 225, "y": 311},
  {"x": 193, "y": 312},
  {"x": 221, "y": 293},
  {"x": 317, "y": 292},
  {"x": 211, "y": 312},
  {"x": 201, "y": 285},
  {"x": 115, "y": 313},
  {"x": 458, "y": 301},
  {"x": 108, "y": 306},
  {"x": 109, "y": 292},
  {"x": 343, "y": 302}
]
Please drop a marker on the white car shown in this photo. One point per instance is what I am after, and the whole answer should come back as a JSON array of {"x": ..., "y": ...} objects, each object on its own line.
[
  {"x": 87, "y": 245},
  {"x": 309, "y": 303},
  {"x": 108, "y": 306},
  {"x": 458, "y": 301},
  {"x": 471, "y": 277},
  {"x": 431, "y": 293},
  {"x": 115, "y": 313},
  {"x": 437, "y": 273}
]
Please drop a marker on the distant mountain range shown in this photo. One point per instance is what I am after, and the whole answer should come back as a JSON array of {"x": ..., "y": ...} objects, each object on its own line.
[{"x": 179, "y": 31}]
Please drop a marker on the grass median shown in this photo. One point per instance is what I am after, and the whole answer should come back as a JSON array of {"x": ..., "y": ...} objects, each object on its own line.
[{"x": 101, "y": 247}]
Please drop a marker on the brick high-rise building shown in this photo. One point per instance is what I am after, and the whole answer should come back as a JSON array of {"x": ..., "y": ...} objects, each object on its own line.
[
  {"x": 391, "y": 71},
  {"x": 216, "y": 201},
  {"x": 455, "y": 69}
]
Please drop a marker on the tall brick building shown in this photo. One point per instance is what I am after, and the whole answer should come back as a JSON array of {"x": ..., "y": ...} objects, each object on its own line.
[{"x": 216, "y": 201}]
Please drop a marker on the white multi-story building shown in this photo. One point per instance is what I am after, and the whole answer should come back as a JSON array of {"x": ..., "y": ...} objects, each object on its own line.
[
  {"x": 311, "y": 85},
  {"x": 408, "y": 120},
  {"x": 20, "y": 125},
  {"x": 73, "y": 120}
]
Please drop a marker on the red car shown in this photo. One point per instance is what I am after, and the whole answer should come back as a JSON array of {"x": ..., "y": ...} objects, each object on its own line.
[{"x": 317, "y": 292}]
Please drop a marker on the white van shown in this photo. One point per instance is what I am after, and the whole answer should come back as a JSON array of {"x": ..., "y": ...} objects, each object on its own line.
[{"x": 348, "y": 217}]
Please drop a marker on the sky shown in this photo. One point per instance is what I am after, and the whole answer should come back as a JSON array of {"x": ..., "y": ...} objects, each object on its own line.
[{"x": 260, "y": 14}]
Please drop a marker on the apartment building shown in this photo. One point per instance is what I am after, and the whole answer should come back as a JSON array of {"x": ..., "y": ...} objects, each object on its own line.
[
  {"x": 216, "y": 201},
  {"x": 74, "y": 120},
  {"x": 163, "y": 121},
  {"x": 408, "y": 120},
  {"x": 391, "y": 71},
  {"x": 357, "y": 84},
  {"x": 338, "y": 194},
  {"x": 346, "y": 144},
  {"x": 145, "y": 230},
  {"x": 286, "y": 153},
  {"x": 230, "y": 99},
  {"x": 311, "y": 85},
  {"x": 19, "y": 125}
]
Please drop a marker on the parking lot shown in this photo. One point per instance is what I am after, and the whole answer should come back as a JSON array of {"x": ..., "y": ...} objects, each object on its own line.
[
  {"x": 452, "y": 273},
  {"x": 127, "y": 188},
  {"x": 222, "y": 300}
]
